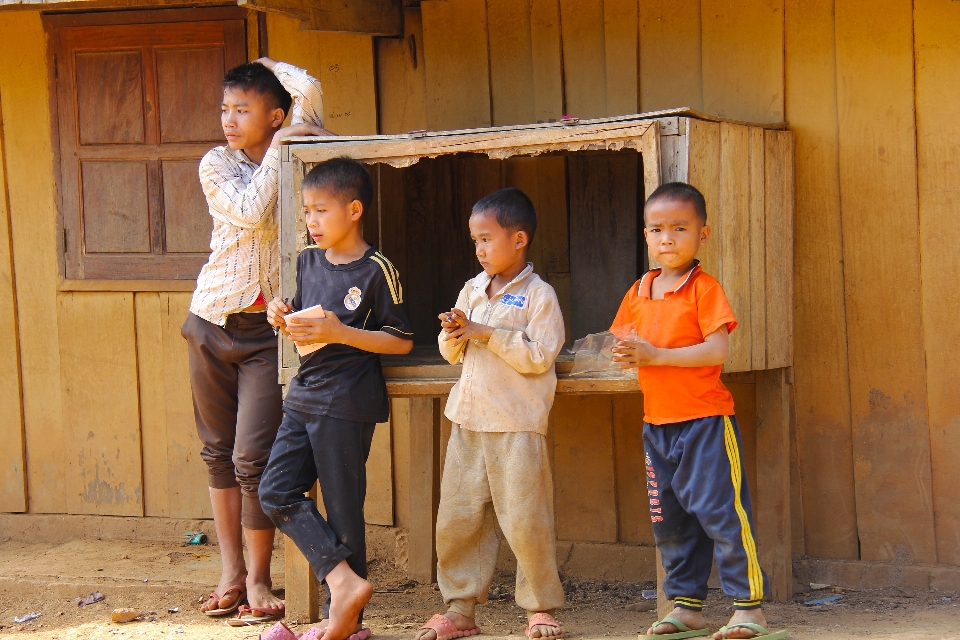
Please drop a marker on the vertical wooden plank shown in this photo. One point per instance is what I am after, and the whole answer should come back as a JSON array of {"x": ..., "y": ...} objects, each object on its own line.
[
  {"x": 511, "y": 62},
  {"x": 13, "y": 486},
  {"x": 547, "y": 55},
  {"x": 416, "y": 426},
  {"x": 603, "y": 261},
  {"x": 773, "y": 494},
  {"x": 778, "y": 204},
  {"x": 401, "y": 77},
  {"x": 344, "y": 65},
  {"x": 670, "y": 56},
  {"x": 153, "y": 410},
  {"x": 33, "y": 223},
  {"x": 743, "y": 59},
  {"x": 583, "y": 440},
  {"x": 704, "y": 173},
  {"x": 302, "y": 590},
  {"x": 543, "y": 179},
  {"x": 187, "y": 491},
  {"x": 621, "y": 49},
  {"x": 584, "y": 58},
  {"x": 99, "y": 386},
  {"x": 734, "y": 217},
  {"x": 878, "y": 195},
  {"x": 820, "y": 366},
  {"x": 458, "y": 70},
  {"x": 758, "y": 252},
  {"x": 633, "y": 506},
  {"x": 937, "y": 49},
  {"x": 379, "y": 504}
]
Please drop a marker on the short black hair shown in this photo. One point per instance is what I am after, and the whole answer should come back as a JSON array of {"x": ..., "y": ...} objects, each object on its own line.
[
  {"x": 348, "y": 179},
  {"x": 512, "y": 209},
  {"x": 681, "y": 192},
  {"x": 256, "y": 77}
]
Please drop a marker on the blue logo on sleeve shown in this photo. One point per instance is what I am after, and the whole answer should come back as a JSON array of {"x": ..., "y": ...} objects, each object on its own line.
[{"x": 513, "y": 301}]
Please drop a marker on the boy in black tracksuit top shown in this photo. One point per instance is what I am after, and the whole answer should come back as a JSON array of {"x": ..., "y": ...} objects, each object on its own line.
[{"x": 339, "y": 394}]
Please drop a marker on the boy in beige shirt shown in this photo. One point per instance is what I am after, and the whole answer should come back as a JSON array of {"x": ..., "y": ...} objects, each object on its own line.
[{"x": 506, "y": 330}]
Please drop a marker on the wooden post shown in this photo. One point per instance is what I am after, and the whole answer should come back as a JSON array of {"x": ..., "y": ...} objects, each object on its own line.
[
  {"x": 772, "y": 503},
  {"x": 416, "y": 429},
  {"x": 302, "y": 590}
]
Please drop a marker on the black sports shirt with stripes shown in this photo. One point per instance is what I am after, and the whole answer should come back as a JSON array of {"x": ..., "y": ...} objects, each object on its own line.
[{"x": 338, "y": 380}]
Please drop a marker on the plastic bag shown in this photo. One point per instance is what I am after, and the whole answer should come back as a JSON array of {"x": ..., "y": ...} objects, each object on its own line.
[{"x": 594, "y": 352}]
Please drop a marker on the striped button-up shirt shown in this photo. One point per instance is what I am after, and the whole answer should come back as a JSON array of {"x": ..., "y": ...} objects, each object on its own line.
[{"x": 242, "y": 197}]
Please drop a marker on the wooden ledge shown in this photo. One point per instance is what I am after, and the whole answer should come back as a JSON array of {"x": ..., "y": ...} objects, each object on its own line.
[{"x": 128, "y": 285}]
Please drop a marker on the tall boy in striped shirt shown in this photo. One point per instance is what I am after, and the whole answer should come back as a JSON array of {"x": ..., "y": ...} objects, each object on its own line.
[{"x": 232, "y": 349}]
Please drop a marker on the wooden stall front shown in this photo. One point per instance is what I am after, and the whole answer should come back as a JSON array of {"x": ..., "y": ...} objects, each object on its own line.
[{"x": 588, "y": 181}]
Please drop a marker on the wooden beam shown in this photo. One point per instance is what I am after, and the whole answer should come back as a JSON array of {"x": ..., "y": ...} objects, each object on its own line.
[
  {"x": 772, "y": 503},
  {"x": 370, "y": 17}
]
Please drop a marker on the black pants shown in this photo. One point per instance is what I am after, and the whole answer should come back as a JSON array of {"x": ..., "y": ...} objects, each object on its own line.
[
  {"x": 237, "y": 402},
  {"x": 310, "y": 448},
  {"x": 700, "y": 507}
]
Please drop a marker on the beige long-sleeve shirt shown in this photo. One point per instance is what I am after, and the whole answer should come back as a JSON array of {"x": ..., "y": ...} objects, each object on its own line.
[
  {"x": 508, "y": 383},
  {"x": 242, "y": 199}
]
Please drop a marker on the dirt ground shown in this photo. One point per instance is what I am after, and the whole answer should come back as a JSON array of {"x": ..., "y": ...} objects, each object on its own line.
[{"x": 156, "y": 579}]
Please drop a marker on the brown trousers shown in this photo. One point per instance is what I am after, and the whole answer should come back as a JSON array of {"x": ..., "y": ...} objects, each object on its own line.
[
  {"x": 507, "y": 476},
  {"x": 237, "y": 403}
]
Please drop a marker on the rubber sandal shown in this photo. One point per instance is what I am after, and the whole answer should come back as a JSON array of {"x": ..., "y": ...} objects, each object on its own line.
[
  {"x": 543, "y": 619},
  {"x": 241, "y": 598},
  {"x": 685, "y": 631},
  {"x": 315, "y": 633},
  {"x": 761, "y": 631},
  {"x": 279, "y": 631},
  {"x": 247, "y": 617},
  {"x": 446, "y": 630}
]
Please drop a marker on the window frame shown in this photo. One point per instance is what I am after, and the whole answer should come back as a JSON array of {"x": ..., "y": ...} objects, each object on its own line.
[{"x": 154, "y": 271}]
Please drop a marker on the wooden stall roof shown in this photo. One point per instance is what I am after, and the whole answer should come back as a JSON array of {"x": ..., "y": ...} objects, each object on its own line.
[{"x": 405, "y": 149}]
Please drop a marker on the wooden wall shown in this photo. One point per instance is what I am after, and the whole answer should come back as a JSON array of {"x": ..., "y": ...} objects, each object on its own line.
[{"x": 871, "y": 91}]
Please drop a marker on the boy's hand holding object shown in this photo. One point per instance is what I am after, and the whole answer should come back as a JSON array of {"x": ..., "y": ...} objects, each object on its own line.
[
  {"x": 635, "y": 353},
  {"x": 276, "y": 311},
  {"x": 313, "y": 328},
  {"x": 460, "y": 329}
]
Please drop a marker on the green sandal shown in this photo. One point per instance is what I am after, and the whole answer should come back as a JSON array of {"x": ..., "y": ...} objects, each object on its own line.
[
  {"x": 762, "y": 632},
  {"x": 685, "y": 631}
]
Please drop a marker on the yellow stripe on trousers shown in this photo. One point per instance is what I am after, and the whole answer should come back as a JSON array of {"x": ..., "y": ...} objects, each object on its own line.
[{"x": 754, "y": 574}]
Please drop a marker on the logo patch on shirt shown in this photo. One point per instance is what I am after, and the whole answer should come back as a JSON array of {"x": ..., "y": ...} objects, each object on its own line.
[
  {"x": 513, "y": 301},
  {"x": 352, "y": 301}
]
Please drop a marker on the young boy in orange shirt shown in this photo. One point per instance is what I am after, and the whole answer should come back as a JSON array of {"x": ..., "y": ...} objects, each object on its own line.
[{"x": 699, "y": 502}]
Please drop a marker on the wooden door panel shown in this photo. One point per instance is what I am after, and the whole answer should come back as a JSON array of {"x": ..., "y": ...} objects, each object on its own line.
[
  {"x": 188, "y": 84},
  {"x": 110, "y": 97},
  {"x": 116, "y": 214},
  {"x": 188, "y": 223},
  {"x": 138, "y": 106}
]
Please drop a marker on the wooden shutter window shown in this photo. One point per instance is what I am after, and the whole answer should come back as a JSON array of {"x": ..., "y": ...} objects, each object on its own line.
[{"x": 138, "y": 106}]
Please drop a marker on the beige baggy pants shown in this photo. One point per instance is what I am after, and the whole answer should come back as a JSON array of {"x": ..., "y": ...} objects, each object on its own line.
[{"x": 507, "y": 475}]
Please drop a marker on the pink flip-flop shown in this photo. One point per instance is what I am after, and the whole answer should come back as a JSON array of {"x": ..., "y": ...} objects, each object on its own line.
[
  {"x": 315, "y": 633},
  {"x": 543, "y": 619},
  {"x": 279, "y": 631},
  {"x": 446, "y": 630}
]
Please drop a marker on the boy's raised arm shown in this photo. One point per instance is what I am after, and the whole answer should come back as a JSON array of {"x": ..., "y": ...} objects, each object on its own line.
[
  {"x": 534, "y": 350},
  {"x": 305, "y": 89},
  {"x": 234, "y": 201}
]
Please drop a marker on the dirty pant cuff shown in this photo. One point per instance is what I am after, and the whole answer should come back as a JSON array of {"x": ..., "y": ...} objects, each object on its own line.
[
  {"x": 466, "y": 607},
  {"x": 252, "y": 515},
  {"x": 218, "y": 480}
]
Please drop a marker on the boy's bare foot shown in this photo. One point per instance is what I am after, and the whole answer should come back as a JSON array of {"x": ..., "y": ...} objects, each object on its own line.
[
  {"x": 743, "y": 615},
  {"x": 546, "y": 626},
  {"x": 322, "y": 625},
  {"x": 461, "y": 622},
  {"x": 227, "y": 600},
  {"x": 349, "y": 594},
  {"x": 693, "y": 619},
  {"x": 261, "y": 598}
]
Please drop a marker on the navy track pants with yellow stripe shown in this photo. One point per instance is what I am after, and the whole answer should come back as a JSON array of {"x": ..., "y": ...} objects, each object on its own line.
[{"x": 700, "y": 507}]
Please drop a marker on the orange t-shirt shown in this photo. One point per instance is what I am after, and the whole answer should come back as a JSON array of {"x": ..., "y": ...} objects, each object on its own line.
[{"x": 695, "y": 309}]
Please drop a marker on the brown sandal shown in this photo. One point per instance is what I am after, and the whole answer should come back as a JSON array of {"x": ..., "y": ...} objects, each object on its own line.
[
  {"x": 241, "y": 598},
  {"x": 446, "y": 630},
  {"x": 545, "y": 620}
]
